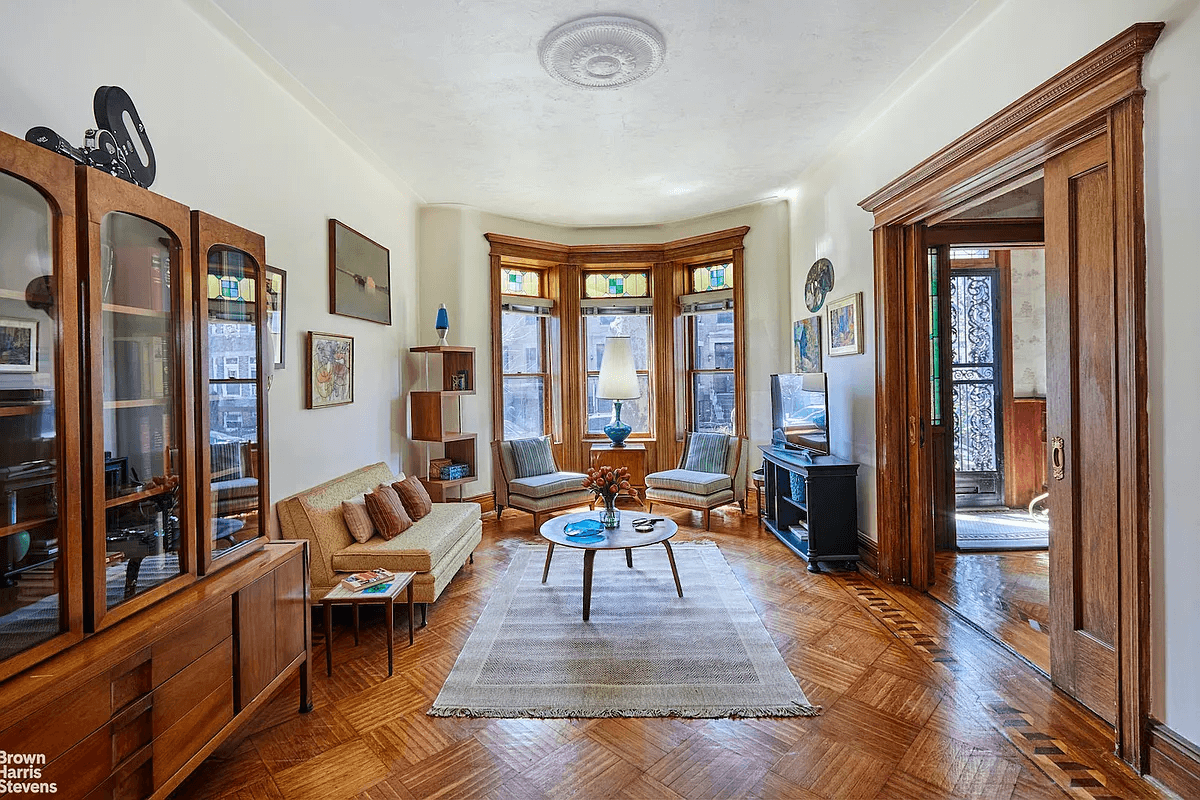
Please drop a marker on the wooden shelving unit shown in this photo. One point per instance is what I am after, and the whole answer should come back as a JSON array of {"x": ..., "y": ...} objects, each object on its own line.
[{"x": 436, "y": 416}]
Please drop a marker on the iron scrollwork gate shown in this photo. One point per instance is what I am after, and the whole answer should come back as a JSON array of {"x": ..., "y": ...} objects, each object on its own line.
[{"x": 975, "y": 368}]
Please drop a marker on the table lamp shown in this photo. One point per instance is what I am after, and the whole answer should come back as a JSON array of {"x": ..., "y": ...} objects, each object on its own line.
[{"x": 618, "y": 381}]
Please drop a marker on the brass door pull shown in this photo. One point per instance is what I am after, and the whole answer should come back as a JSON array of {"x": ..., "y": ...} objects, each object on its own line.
[{"x": 1058, "y": 459}]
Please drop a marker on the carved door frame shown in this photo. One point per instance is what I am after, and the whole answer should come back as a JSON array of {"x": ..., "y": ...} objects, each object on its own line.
[{"x": 1099, "y": 95}]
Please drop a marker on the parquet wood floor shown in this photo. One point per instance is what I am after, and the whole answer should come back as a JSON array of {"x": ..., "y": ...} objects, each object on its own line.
[
  {"x": 917, "y": 705},
  {"x": 1007, "y": 594}
]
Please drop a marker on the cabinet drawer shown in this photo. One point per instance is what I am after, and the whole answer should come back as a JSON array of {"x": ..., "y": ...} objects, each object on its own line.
[
  {"x": 191, "y": 685},
  {"x": 193, "y": 730},
  {"x": 132, "y": 782},
  {"x": 82, "y": 768},
  {"x": 181, "y": 647},
  {"x": 56, "y": 727}
]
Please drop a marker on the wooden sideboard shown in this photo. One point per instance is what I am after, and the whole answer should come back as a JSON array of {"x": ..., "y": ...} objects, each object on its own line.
[{"x": 132, "y": 710}]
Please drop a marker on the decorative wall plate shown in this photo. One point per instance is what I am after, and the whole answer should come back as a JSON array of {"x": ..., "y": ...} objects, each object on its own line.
[{"x": 819, "y": 284}]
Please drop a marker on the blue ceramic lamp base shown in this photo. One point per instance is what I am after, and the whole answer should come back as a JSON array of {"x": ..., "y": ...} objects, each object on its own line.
[{"x": 617, "y": 430}]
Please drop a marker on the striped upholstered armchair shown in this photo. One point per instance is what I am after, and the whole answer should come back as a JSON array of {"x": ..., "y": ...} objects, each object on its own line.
[
  {"x": 711, "y": 473},
  {"x": 526, "y": 477}
]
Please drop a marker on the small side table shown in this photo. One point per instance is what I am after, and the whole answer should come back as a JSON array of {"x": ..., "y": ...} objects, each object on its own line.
[
  {"x": 632, "y": 456},
  {"x": 340, "y": 595}
]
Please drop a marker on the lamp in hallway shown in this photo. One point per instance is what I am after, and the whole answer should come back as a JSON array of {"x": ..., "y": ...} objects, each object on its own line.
[{"x": 618, "y": 381}]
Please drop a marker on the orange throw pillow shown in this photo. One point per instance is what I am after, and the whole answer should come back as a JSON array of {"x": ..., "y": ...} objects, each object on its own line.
[
  {"x": 414, "y": 497},
  {"x": 387, "y": 512},
  {"x": 358, "y": 521}
]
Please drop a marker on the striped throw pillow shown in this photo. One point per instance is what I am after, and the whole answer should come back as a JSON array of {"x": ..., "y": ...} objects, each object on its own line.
[
  {"x": 387, "y": 512},
  {"x": 358, "y": 521},
  {"x": 414, "y": 497},
  {"x": 706, "y": 452},
  {"x": 533, "y": 457}
]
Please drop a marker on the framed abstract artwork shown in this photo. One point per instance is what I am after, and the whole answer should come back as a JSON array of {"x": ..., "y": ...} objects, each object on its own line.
[
  {"x": 806, "y": 343},
  {"x": 18, "y": 345},
  {"x": 330, "y": 380},
  {"x": 277, "y": 311},
  {"x": 846, "y": 325},
  {"x": 360, "y": 278}
]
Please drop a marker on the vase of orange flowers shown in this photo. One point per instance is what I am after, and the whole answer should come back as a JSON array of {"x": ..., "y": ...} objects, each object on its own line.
[{"x": 608, "y": 484}]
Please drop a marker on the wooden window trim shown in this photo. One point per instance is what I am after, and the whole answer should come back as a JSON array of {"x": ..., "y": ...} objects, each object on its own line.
[{"x": 564, "y": 267}]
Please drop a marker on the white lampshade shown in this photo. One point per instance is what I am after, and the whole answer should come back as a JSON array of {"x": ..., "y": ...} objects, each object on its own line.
[{"x": 618, "y": 376}]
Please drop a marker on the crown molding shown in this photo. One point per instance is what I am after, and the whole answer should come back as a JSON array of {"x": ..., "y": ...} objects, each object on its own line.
[{"x": 1048, "y": 113}]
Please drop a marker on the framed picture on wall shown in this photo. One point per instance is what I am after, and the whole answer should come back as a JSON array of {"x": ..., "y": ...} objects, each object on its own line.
[
  {"x": 277, "y": 311},
  {"x": 806, "y": 343},
  {"x": 846, "y": 325},
  {"x": 360, "y": 279},
  {"x": 330, "y": 380},
  {"x": 18, "y": 345}
]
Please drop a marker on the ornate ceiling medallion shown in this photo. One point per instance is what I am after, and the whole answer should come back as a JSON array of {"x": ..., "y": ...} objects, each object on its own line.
[{"x": 602, "y": 52}]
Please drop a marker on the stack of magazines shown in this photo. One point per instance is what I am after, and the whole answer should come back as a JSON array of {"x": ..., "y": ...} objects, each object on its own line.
[{"x": 362, "y": 580}]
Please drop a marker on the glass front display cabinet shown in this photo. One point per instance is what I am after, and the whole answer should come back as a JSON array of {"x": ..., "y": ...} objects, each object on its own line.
[
  {"x": 41, "y": 602},
  {"x": 233, "y": 363},
  {"x": 141, "y": 404}
]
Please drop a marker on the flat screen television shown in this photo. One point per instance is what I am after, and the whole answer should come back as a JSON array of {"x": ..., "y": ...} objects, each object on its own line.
[{"x": 800, "y": 412}]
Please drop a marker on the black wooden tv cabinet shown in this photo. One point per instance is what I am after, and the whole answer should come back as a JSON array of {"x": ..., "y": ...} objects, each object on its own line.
[{"x": 823, "y": 526}]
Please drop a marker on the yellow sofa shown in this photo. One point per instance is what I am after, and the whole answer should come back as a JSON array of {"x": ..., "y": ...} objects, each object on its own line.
[{"x": 435, "y": 547}]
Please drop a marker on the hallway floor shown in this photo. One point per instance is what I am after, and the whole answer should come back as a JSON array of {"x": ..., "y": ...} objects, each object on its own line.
[
  {"x": 917, "y": 704},
  {"x": 1006, "y": 594}
]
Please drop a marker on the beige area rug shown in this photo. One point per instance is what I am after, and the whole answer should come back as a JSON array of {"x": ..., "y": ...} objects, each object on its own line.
[{"x": 645, "y": 652}]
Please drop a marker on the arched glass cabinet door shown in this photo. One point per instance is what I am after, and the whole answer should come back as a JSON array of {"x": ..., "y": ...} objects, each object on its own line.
[
  {"x": 140, "y": 419},
  {"x": 40, "y": 574},
  {"x": 143, "y": 516},
  {"x": 231, "y": 423}
]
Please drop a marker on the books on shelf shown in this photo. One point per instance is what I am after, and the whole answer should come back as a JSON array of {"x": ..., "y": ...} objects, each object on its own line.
[{"x": 362, "y": 580}]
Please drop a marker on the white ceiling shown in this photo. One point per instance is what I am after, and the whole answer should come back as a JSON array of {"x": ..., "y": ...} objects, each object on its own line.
[{"x": 450, "y": 93}]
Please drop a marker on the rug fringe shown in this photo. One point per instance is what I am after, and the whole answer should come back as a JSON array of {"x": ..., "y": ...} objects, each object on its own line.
[{"x": 710, "y": 712}]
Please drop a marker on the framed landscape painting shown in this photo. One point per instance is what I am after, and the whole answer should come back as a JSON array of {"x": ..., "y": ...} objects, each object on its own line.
[
  {"x": 18, "y": 345},
  {"x": 330, "y": 380},
  {"x": 806, "y": 341},
  {"x": 360, "y": 278},
  {"x": 845, "y": 326}
]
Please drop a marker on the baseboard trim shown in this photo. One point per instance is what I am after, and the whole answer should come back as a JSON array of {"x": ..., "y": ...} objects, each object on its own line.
[
  {"x": 869, "y": 552},
  {"x": 1174, "y": 761},
  {"x": 487, "y": 502}
]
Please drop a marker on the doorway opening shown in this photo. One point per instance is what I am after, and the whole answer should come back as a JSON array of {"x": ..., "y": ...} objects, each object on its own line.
[{"x": 992, "y": 561}]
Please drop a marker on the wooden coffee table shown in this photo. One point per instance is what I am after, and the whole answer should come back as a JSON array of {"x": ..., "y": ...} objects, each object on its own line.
[
  {"x": 340, "y": 595},
  {"x": 621, "y": 538}
]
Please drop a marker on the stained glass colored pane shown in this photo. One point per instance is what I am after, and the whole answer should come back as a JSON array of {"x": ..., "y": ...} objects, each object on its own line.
[
  {"x": 712, "y": 278},
  {"x": 520, "y": 281},
  {"x": 616, "y": 284}
]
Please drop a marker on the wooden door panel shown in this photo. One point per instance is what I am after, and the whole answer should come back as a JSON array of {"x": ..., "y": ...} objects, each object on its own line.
[{"x": 1081, "y": 363}]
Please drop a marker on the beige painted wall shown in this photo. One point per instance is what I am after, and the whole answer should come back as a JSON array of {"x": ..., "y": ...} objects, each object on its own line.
[
  {"x": 453, "y": 257},
  {"x": 230, "y": 141},
  {"x": 973, "y": 75}
]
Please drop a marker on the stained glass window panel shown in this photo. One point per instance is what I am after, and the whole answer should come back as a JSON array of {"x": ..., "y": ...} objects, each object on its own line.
[
  {"x": 616, "y": 284},
  {"x": 520, "y": 281},
  {"x": 712, "y": 278}
]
